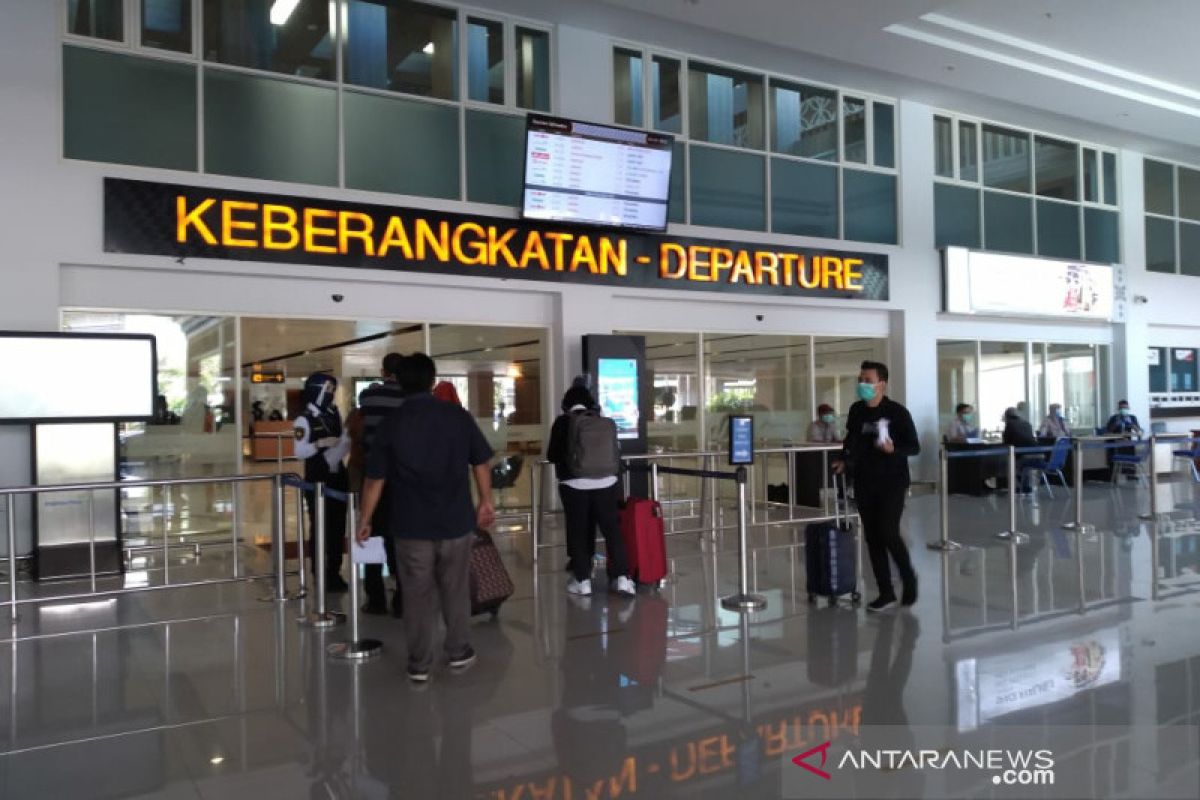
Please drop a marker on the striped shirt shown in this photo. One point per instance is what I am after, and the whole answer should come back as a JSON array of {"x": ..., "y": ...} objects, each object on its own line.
[{"x": 375, "y": 403}]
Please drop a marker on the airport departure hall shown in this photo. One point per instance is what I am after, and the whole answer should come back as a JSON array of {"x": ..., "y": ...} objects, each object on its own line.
[{"x": 597, "y": 399}]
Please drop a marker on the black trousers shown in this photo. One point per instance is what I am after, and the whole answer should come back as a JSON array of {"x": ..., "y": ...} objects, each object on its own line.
[
  {"x": 585, "y": 510},
  {"x": 335, "y": 524},
  {"x": 373, "y": 573},
  {"x": 880, "y": 508}
]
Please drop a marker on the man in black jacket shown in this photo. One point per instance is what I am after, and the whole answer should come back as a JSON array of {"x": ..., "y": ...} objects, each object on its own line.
[
  {"x": 1019, "y": 433},
  {"x": 880, "y": 438}
]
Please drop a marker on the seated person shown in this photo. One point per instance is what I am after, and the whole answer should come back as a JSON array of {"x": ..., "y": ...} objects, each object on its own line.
[
  {"x": 1019, "y": 433},
  {"x": 824, "y": 429},
  {"x": 963, "y": 426},
  {"x": 1054, "y": 426},
  {"x": 1123, "y": 421}
]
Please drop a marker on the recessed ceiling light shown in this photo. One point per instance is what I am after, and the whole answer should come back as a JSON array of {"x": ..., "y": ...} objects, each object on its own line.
[
  {"x": 427, "y": 49},
  {"x": 215, "y": 760}
]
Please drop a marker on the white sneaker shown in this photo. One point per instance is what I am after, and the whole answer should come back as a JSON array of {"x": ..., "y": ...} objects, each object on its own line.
[
  {"x": 625, "y": 586},
  {"x": 581, "y": 588}
]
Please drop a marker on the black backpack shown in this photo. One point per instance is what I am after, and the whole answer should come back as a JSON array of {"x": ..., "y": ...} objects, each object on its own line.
[{"x": 592, "y": 449}]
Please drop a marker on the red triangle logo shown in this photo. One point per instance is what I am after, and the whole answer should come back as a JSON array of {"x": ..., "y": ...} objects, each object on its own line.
[{"x": 823, "y": 749}]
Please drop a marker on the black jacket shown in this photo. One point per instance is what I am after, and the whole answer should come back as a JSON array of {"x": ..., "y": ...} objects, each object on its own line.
[
  {"x": 869, "y": 464},
  {"x": 1019, "y": 433}
]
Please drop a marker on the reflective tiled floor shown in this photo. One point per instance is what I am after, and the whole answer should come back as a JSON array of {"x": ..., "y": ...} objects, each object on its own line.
[{"x": 211, "y": 692}]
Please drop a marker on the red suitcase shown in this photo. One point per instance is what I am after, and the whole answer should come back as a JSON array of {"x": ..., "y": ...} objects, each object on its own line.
[{"x": 645, "y": 542}]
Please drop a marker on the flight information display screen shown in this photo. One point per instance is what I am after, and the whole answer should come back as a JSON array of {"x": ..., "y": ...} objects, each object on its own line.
[{"x": 596, "y": 174}]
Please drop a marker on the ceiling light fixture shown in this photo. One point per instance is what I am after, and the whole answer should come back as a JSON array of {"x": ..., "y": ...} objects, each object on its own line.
[
  {"x": 215, "y": 760},
  {"x": 427, "y": 49},
  {"x": 281, "y": 10}
]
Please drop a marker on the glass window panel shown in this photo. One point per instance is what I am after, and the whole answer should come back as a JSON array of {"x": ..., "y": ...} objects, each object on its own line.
[
  {"x": 1001, "y": 384},
  {"x": 725, "y": 107},
  {"x": 805, "y": 120},
  {"x": 194, "y": 433},
  {"x": 869, "y": 210},
  {"x": 402, "y": 46},
  {"x": 1189, "y": 249},
  {"x": 401, "y": 146},
  {"x": 245, "y": 35},
  {"x": 943, "y": 147},
  {"x": 128, "y": 110},
  {"x": 1183, "y": 369},
  {"x": 1091, "y": 176},
  {"x": 1071, "y": 380},
  {"x": 677, "y": 204},
  {"x": 804, "y": 198},
  {"x": 1189, "y": 193},
  {"x": 1007, "y": 223},
  {"x": 1160, "y": 245},
  {"x": 727, "y": 189},
  {"x": 1005, "y": 159},
  {"x": 627, "y": 87},
  {"x": 956, "y": 216},
  {"x": 1158, "y": 369},
  {"x": 767, "y": 376},
  {"x": 98, "y": 19},
  {"x": 884, "y": 127},
  {"x": 498, "y": 372},
  {"x": 672, "y": 368},
  {"x": 968, "y": 151},
  {"x": 261, "y": 127},
  {"x": 495, "y": 157},
  {"x": 837, "y": 361},
  {"x": 1159, "y": 180},
  {"x": 1110, "y": 178},
  {"x": 1058, "y": 229},
  {"x": 956, "y": 379},
  {"x": 1101, "y": 236},
  {"x": 1057, "y": 168},
  {"x": 485, "y": 61},
  {"x": 666, "y": 99},
  {"x": 533, "y": 69},
  {"x": 167, "y": 25},
  {"x": 854, "y": 126}
]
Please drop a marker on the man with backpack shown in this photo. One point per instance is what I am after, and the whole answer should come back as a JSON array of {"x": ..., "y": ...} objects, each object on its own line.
[{"x": 583, "y": 448}]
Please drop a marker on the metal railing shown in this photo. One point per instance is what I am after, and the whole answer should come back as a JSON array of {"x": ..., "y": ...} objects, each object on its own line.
[{"x": 278, "y": 533}]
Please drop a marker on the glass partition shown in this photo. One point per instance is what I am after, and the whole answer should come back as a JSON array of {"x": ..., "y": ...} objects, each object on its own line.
[
  {"x": 1001, "y": 383},
  {"x": 1072, "y": 380},
  {"x": 673, "y": 371},
  {"x": 767, "y": 376},
  {"x": 958, "y": 378},
  {"x": 837, "y": 360}
]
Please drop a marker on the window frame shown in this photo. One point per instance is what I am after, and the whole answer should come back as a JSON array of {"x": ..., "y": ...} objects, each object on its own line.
[{"x": 1175, "y": 219}]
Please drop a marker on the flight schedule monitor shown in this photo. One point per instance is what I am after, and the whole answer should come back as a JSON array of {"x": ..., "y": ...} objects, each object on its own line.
[{"x": 596, "y": 174}]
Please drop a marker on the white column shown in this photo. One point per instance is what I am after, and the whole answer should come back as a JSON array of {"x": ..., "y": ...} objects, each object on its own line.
[{"x": 1131, "y": 377}]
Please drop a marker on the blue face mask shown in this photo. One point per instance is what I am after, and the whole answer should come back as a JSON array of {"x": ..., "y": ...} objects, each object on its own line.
[
  {"x": 968, "y": 418},
  {"x": 828, "y": 418},
  {"x": 866, "y": 391},
  {"x": 1125, "y": 412}
]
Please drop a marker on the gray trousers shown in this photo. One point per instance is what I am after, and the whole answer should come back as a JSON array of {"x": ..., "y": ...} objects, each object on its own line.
[{"x": 435, "y": 572}]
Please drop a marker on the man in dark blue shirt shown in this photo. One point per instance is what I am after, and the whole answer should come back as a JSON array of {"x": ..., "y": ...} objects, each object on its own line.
[{"x": 421, "y": 456}]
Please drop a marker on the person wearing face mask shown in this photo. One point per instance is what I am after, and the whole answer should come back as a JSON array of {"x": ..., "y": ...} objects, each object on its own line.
[
  {"x": 963, "y": 426},
  {"x": 823, "y": 429},
  {"x": 880, "y": 438},
  {"x": 1054, "y": 426},
  {"x": 1123, "y": 421}
]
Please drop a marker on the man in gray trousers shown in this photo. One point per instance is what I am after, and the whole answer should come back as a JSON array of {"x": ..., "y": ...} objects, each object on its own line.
[{"x": 421, "y": 456}]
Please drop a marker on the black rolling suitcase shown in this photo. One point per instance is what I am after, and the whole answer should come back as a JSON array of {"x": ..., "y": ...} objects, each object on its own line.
[{"x": 829, "y": 553}]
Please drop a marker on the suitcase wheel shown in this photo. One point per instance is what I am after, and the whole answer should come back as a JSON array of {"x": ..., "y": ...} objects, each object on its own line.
[
  {"x": 812, "y": 598},
  {"x": 833, "y": 601},
  {"x": 855, "y": 598}
]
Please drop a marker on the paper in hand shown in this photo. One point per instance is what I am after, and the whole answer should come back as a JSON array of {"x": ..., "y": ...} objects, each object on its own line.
[
  {"x": 882, "y": 427},
  {"x": 370, "y": 552}
]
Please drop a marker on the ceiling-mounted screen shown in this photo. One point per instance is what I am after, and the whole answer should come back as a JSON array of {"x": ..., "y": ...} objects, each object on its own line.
[
  {"x": 77, "y": 377},
  {"x": 596, "y": 174}
]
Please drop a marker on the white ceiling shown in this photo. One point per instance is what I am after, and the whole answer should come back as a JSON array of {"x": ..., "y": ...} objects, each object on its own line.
[{"x": 1129, "y": 67}]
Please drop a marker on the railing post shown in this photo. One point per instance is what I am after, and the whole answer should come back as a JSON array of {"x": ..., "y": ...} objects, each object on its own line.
[
  {"x": 791, "y": 483},
  {"x": 654, "y": 480},
  {"x": 355, "y": 649},
  {"x": 1153, "y": 481},
  {"x": 1012, "y": 534},
  {"x": 743, "y": 600},
  {"x": 301, "y": 545},
  {"x": 1012, "y": 571},
  {"x": 535, "y": 510},
  {"x": 944, "y": 543},
  {"x": 320, "y": 617},
  {"x": 235, "y": 519},
  {"x": 12, "y": 561},
  {"x": 1154, "y": 560},
  {"x": 1077, "y": 523},
  {"x": 277, "y": 538}
]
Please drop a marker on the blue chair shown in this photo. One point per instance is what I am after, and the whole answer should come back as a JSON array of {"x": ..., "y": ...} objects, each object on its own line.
[
  {"x": 1054, "y": 464},
  {"x": 1191, "y": 456}
]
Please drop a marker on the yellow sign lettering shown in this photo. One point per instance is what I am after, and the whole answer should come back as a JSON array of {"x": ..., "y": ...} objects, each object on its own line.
[
  {"x": 279, "y": 219},
  {"x": 498, "y": 246},
  {"x": 614, "y": 259},
  {"x": 395, "y": 236},
  {"x": 185, "y": 219},
  {"x": 698, "y": 256},
  {"x": 853, "y": 276},
  {"x": 439, "y": 242},
  {"x": 559, "y": 239},
  {"x": 766, "y": 264},
  {"x": 475, "y": 252},
  {"x": 584, "y": 255},
  {"x": 742, "y": 270},
  {"x": 230, "y": 225},
  {"x": 312, "y": 230},
  {"x": 534, "y": 250},
  {"x": 672, "y": 261},
  {"x": 363, "y": 231}
]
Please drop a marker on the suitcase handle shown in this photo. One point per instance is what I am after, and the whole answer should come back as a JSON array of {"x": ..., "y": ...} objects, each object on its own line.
[{"x": 838, "y": 516}]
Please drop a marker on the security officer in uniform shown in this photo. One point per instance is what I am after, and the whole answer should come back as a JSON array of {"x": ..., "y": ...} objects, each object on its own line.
[{"x": 322, "y": 442}]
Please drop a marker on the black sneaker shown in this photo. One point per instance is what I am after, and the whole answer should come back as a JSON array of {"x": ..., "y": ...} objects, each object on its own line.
[
  {"x": 418, "y": 677},
  {"x": 374, "y": 609},
  {"x": 909, "y": 596},
  {"x": 466, "y": 659},
  {"x": 880, "y": 603},
  {"x": 335, "y": 583}
]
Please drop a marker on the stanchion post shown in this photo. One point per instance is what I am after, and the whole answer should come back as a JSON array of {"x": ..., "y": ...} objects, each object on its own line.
[
  {"x": 743, "y": 600},
  {"x": 1077, "y": 523},
  {"x": 1079, "y": 570},
  {"x": 235, "y": 519},
  {"x": 535, "y": 510},
  {"x": 11, "y": 516},
  {"x": 277, "y": 538},
  {"x": 356, "y": 649},
  {"x": 944, "y": 543},
  {"x": 1154, "y": 560},
  {"x": 1012, "y": 571},
  {"x": 1012, "y": 534},
  {"x": 301, "y": 545},
  {"x": 791, "y": 483},
  {"x": 320, "y": 617},
  {"x": 1153, "y": 481},
  {"x": 654, "y": 481}
]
